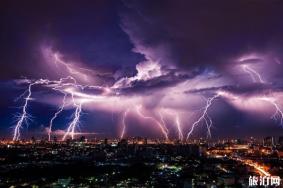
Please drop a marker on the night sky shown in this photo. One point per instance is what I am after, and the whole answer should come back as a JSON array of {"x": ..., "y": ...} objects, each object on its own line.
[{"x": 142, "y": 68}]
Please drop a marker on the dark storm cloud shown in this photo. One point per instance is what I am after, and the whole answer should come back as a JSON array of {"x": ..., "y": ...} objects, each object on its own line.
[
  {"x": 197, "y": 33},
  {"x": 248, "y": 90},
  {"x": 85, "y": 31},
  {"x": 189, "y": 40},
  {"x": 147, "y": 86}
]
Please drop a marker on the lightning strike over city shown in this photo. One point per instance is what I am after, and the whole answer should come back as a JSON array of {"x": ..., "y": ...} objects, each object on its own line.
[
  {"x": 124, "y": 125},
  {"x": 77, "y": 90},
  {"x": 204, "y": 117},
  {"x": 55, "y": 116},
  {"x": 189, "y": 93},
  {"x": 179, "y": 128},
  {"x": 278, "y": 114}
]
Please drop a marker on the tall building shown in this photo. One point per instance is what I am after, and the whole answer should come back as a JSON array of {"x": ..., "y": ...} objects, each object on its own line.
[{"x": 268, "y": 141}]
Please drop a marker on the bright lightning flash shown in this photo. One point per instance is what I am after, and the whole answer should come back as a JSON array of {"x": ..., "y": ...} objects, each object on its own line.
[
  {"x": 58, "y": 85},
  {"x": 124, "y": 124},
  {"x": 24, "y": 115},
  {"x": 60, "y": 109},
  {"x": 278, "y": 111},
  {"x": 204, "y": 117},
  {"x": 256, "y": 77},
  {"x": 72, "y": 126},
  {"x": 178, "y": 125},
  {"x": 254, "y": 74},
  {"x": 163, "y": 130}
]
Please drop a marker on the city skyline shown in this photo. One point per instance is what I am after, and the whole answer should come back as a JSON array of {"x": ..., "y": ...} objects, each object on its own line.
[
  {"x": 169, "y": 70},
  {"x": 141, "y": 93}
]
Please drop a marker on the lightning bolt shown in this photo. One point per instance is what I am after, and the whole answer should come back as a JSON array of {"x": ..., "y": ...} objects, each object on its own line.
[
  {"x": 66, "y": 86},
  {"x": 76, "y": 120},
  {"x": 24, "y": 115},
  {"x": 60, "y": 109},
  {"x": 278, "y": 111},
  {"x": 204, "y": 117},
  {"x": 178, "y": 125},
  {"x": 72, "y": 70},
  {"x": 56, "y": 85},
  {"x": 163, "y": 124},
  {"x": 71, "y": 128},
  {"x": 139, "y": 112},
  {"x": 176, "y": 120},
  {"x": 124, "y": 124},
  {"x": 255, "y": 76}
]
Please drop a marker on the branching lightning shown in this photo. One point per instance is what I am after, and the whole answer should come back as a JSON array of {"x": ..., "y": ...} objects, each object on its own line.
[
  {"x": 57, "y": 85},
  {"x": 278, "y": 111},
  {"x": 255, "y": 76},
  {"x": 204, "y": 117},
  {"x": 24, "y": 115},
  {"x": 77, "y": 95},
  {"x": 139, "y": 112},
  {"x": 163, "y": 124},
  {"x": 60, "y": 109},
  {"x": 278, "y": 114},
  {"x": 72, "y": 70},
  {"x": 74, "y": 123}
]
